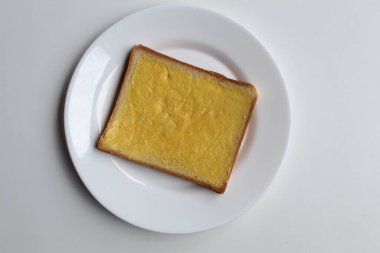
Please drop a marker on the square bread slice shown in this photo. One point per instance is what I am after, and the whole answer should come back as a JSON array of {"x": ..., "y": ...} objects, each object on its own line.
[{"x": 179, "y": 119}]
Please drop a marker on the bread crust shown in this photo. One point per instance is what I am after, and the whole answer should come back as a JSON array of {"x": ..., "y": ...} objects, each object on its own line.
[
  {"x": 104, "y": 148},
  {"x": 101, "y": 146},
  {"x": 212, "y": 73}
]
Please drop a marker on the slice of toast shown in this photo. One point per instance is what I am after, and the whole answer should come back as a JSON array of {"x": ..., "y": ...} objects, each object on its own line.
[{"x": 179, "y": 119}]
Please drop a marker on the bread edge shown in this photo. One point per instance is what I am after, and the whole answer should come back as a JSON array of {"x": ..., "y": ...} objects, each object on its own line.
[
  {"x": 212, "y": 73},
  {"x": 241, "y": 140},
  {"x": 103, "y": 147}
]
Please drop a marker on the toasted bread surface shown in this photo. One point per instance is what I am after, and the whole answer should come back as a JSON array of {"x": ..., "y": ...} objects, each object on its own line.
[{"x": 179, "y": 119}]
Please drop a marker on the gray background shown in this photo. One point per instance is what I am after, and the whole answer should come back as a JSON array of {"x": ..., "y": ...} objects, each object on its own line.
[{"x": 326, "y": 196}]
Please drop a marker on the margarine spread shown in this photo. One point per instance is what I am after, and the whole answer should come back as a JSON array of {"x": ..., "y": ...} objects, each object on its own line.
[{"x": 180, "y": 120}]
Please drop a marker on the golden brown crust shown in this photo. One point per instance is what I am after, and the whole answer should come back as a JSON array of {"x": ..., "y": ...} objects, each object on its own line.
[
  {"x": 240, "y": 141},
  {"x": 214, "y": 74},
  {"x": 119, "y": 98},
  {"x": 104, "y": 148}
]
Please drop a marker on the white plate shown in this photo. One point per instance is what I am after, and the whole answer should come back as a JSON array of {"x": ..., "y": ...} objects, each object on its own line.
[{"x": 155, "y": 200}]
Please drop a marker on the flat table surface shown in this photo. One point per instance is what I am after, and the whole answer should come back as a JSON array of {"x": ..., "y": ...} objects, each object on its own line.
[{"x": 326, "y": 196}]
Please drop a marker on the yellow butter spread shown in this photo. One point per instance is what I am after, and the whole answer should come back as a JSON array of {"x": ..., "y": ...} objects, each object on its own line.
[{"x": 186, "y": 122}]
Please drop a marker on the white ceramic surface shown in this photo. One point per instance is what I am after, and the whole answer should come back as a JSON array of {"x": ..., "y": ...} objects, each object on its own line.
[{"x": 148, "y": 198}]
